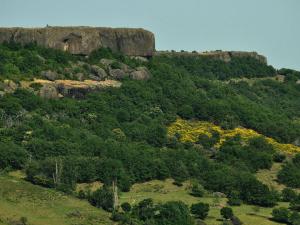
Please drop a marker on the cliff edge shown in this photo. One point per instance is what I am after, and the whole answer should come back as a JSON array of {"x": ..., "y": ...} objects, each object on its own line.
[{"x": 83, "y": 40}]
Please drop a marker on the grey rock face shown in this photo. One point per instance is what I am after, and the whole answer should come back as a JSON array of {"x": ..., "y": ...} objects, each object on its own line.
[{"x": 83, "y": 40}]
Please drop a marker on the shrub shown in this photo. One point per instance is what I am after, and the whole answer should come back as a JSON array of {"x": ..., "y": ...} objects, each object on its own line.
[
  {"x": 200, "y": 210},
  {"x": 234, "y": 199},
  {"x": 117, "y": 216},
  {"x": 197, "y": 190},
  {"x": 126, "y": 207},
  {"x": 12, "y": 155},
  {"x": 288, "y": 194},
  {"x": 280, "y": 215},
  {"x": 102, "y": 198},
  {"x": 173, "y": 213},
  {"x": 295, "y": 203},
  {"x": 294, "y": 218},
  {"x": 279, "y": 157},
  {"x": 226, "y": 212}
]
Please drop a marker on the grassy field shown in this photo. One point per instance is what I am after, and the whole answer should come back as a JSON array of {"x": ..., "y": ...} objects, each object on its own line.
[
  {"x": 162, "y": 191},
  {"x": 42, "y": 206}
]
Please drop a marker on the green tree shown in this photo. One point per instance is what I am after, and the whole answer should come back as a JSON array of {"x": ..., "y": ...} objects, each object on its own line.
[
  {"x": 226, "y": 212},
  {"x": 200, "y": 210},
  {"x": 280, "y": 215},
  {"x": 288, "y": 194},
  {"x": 102, "y": 198}
]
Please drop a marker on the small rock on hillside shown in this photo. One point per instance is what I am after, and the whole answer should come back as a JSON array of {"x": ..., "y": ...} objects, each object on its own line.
[{"x": 141, "y": 73}]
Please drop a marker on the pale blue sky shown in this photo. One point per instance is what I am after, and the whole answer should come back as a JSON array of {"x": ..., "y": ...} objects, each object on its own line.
[{"x": 270, "y": 27}]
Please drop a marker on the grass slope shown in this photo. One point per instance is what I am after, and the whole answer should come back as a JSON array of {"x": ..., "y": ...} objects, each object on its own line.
[{"x": 42, "y": 206}]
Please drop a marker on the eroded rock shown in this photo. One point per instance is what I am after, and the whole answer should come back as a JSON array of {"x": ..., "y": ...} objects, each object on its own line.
[
  {"x": 117, "y": 74},
  {"x": 141, "y": 73},
  {"x": 83, "y": 40},
  {"x": 49, "y": 75},
  {"x": 98, "y": 72}
]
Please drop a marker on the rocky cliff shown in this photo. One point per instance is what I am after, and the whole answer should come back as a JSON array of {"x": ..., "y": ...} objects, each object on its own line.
[
  {"x": 83, "y": 40},
  {"x": 225, "y": 56}
]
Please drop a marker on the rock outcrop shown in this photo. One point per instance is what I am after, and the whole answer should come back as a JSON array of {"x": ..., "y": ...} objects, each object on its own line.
[
  {"x": 225, "y": 56},
  {"x": 59, "y": 88},
  {"x": 83, "y": 40}
]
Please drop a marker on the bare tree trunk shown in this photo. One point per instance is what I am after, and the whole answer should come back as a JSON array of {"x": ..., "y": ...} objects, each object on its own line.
[
  {"x": 58, "y": 172},
  {"x": 116, "y": 197}
]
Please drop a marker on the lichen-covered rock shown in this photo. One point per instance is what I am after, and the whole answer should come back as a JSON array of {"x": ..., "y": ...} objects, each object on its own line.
[
  {"x": 117, "y": 74},
  {"x": 71, "y": 88},
  {"x": 98, "y": 72},
  {"x": 140, "y": 58},
  {"x": 107, "y": 62},
  {"x": 83, "y": 40},
  {"x": 9, "y": 86},
  {"x": 93, "y": 77},
  {"x": 49, "y": 75},
  {"x": 49, "y": 91},
  {"x": 141, "y": 73},
  {"x": 79, "y": 76}
]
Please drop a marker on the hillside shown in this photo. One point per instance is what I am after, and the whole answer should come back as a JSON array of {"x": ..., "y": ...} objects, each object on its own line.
[
  {"x": 20, "y": 199},
  {"x": 122, "y": 122}
]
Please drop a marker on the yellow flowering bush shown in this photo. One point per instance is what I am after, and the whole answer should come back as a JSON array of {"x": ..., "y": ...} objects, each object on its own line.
[{"x": 189, "y": 131}]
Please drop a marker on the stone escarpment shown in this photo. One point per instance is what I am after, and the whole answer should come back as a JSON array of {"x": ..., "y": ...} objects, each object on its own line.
[
  {"x": 225, "y": 56},
  {"x": 83, "y": 40},
  {"x": 59, "y": 88}
]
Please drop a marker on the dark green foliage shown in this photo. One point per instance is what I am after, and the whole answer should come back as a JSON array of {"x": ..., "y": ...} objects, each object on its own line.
[
  {"x": 197, "y": 190},
  {"x": 19, "y": 62},
  {"x": 254, "y": 156},
  {"x": 121, "y": 133},
  {"x": 290, "y": 173},
  {"x": 234, "y": 199},
  {"x": 288, "y": 195},
  {"x": 226, "y": 212},
  {"x": 279, "y": 157},
  {"x": 102, "y": 198},
  {"x": 173, "y": 213},
  {"x": 126, "y": 207},
  {"x": 144, "y": 210},
  {"x": 295, "y": 203},
  {"x": 200, "y": 210},
  {"x": 169, "y": 213},
  {"x": 294, "y": 218},
  {"x": 12, "y": 156},
  {"x": 280, "y": 215},
  {"x": 212, "y": 68}
]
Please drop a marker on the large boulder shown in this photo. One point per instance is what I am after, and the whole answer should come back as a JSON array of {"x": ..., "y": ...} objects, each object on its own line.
[
  {"x": 117, "y": 74},
  {"x": 107, "y": 62},
  {"x": 49, "y": 91},
  {"x": 98, "y": 72},
  {"x": 8, "y": 86},
  {"x": 49, "y": 75},
  {"x": 79, "y": 76},
  {"x": 141, "y": 73}
]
